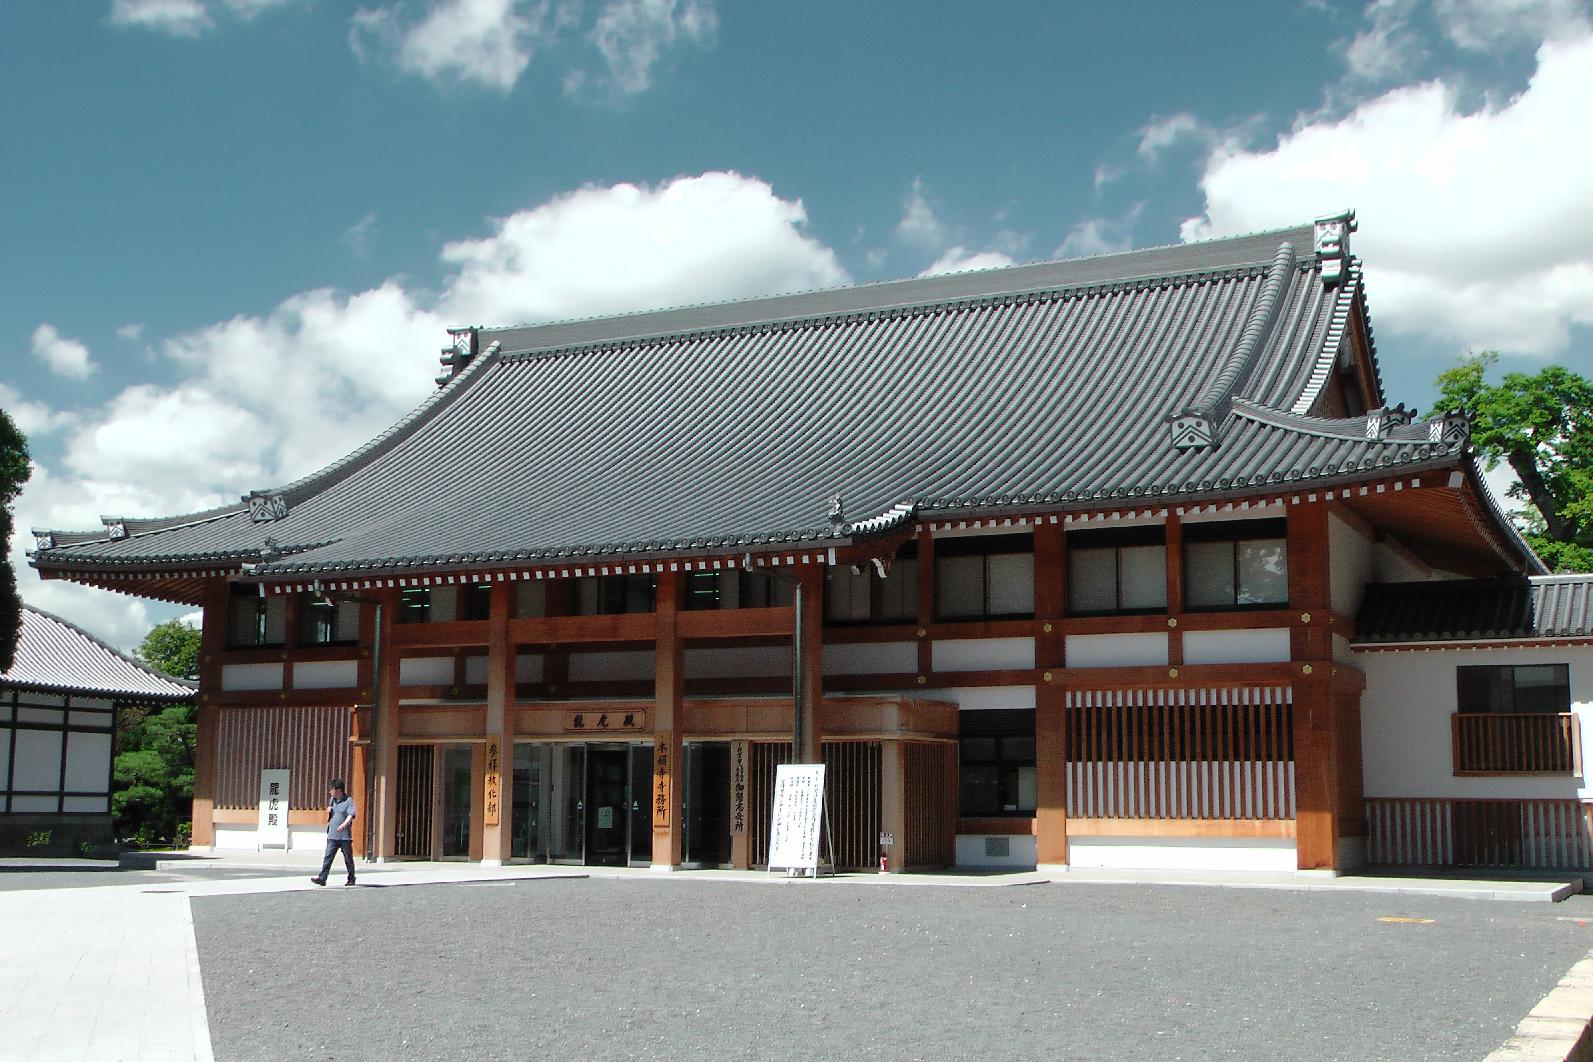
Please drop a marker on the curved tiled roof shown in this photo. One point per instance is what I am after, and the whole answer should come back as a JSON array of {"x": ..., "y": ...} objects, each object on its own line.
[
  {"x": 732, "y": 426},
  {"x": 1540, "y": 607},
  {"x": 53, "y": 654}
]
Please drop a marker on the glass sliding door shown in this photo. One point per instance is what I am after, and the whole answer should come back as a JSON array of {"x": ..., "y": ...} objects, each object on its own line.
[
  {"x": 707, "y": 803},
  {"x": 641, "y": 805},
  {"x": 531, "y": 791},
  {"x": 456, "y": 791},
  {"x": 567, "y": 804}
]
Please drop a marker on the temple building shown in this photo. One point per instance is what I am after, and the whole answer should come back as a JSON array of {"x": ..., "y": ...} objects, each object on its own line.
[
  {"x": 1064, "y": 564},
  {"x": 59, "y": 704}
]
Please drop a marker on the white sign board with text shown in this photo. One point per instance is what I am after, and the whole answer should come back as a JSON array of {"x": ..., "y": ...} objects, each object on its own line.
[
  {"x": 273, "y": 827},
  {"x": 798, "y": 812}
]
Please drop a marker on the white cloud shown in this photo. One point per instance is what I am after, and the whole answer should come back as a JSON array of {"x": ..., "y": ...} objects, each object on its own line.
[
  {"x": 358, "y": 236},
  {"x": 1485, "y": 25},
  {"x": 1388, "y": 46},
  {"x": 1166, "y": 132},
  {"x": 1476, "y": 226},
  {"x": 131, "y": 331},
  {"x": 179, "y": 18},
  {"x": 487, "y": 43},
  {"x": 33, "y": 419},
  {"x": 1093, "y": 236},
  {"x": 960, "y": 260},
  {"x": 65, "y": 357},
  {"x": 264, "y": 399},
  {"x": 633, "y": 35},
  {"x": 920, "y": 226}
]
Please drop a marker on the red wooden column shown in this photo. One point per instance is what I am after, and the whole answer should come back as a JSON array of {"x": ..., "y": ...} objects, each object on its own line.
[
  {"x": 669, "y": 690},
  {"x": 384, "y": 731},
  {"x": 212, "y": 643},
  {"x": 498, "y": 752},
  {"x": 1050, "y": 709},
  {"x": 1327, "y": 752}
]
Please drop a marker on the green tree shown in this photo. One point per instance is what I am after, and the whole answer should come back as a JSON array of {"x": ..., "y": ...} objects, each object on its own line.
[
  {"x": 154, "y": 771},
  {"x": 14, "y": 472},
  {"x": 1542, "y": 427}
]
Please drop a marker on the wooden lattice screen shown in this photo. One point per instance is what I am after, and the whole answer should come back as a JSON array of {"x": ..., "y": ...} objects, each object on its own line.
[
  {"x": 1525, "y": 834},
  {"x": 311, "y": 742}
]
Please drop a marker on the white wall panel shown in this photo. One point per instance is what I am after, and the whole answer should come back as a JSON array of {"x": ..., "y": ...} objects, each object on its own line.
[
  {"x": 251, "y": 677},
  {"x": 426, "y": 671},
  {"x": 38, "y": 761},
  {"x": 5, "y": 757},
  {"x": 977, "y": 698},
  {"x": 611, "y": 667},
  {"x": 759, "y": 660},
  {"x": 326, "y": 675},
  {"x": 476, "y": 670},
  {"x": 983, "y": 654},
  {"x": 528, "y": 667},
  {"x": 88, "y": 762},
  {"x": 1350, "y": 561},
  {"x": 1116, "y": 650},
  {"x": 871, "y": 658},
  {"x": 1276, "y": 855},
  {"x": 30, "y": 714},
  {"x": 1264, "y": 646}
]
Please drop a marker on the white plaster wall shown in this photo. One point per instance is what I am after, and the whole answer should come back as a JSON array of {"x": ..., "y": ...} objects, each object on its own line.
[
  {"x": 610, "y": 667},
  {"x": 325, "y": 674},
  {"x": 975, "y": 698},
  {"x": 528, "y": 667},
  {"x": 476, "y": 670},
  {"x": 1264, "y": 646},
  {"x": 1350, "y": 561},
  {"x": 238, "y": 837},
  {"x": 871, "y": 658},
  {"x": 1264, "y": 854},
  {"x": 1405, "y": 728},
  {"x": 1116, "y": 650},
  {"x": 982, "y": 654},
  {"x": 251, "y": 677},
  {"x": 1021, "y": 852},
  {"x": 38, "y": 763},
  {"x": 5, "y": 758},
  {"x": 92, "y": 720},
  {"x": 27, "y": 713},
  {"x": 759, "y": 660},
  {"x": 426, "y": 671},
  {"x": 90, "y": 702},
  {"x": 88, "y": 762}
]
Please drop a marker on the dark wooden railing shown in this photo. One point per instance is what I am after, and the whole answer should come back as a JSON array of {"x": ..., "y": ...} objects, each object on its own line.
[
  {"x": 1525, "y": 743},
  {"x": 1437, "y": 832}
]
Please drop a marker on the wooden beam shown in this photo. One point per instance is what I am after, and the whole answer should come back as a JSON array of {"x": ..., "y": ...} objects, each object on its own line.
[
  {"x": 570, "y": 630},
  {"x": 1182, "y": 828},
  {"x": 735, "y": 624}
]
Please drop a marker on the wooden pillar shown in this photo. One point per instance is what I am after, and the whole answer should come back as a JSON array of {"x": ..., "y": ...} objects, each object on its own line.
[
  {"x": 498, "y": 753},
  {"x": 810, "y": 658},
  {"x": 359, "y": 778},
  {"x": 1050, "y": 720},
  {"x": 1327, "y": 750},
  {"x": 893, "y": 803},
  {"x": 925, "y": 592},
  {"x": 212, "y": 643},
  {"x": 669, "y": 675},
  {"x": 1174, "y": 553},
  {"x": 384, "y": 731},
  {"x": 740, "y": 810}
]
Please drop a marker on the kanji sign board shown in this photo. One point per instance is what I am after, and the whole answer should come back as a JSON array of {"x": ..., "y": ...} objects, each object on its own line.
[
  {"x": 798, "y": 812},
  {"x": 273, "y": 826}
]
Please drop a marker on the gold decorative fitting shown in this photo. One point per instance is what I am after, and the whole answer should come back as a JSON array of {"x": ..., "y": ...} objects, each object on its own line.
[
  {"x": 1306, "y": 669},
  {"x": 1048, "y": 676},
  {"x": 922, "y": 632},
  {"x": 1046, "y": 628},
  {"x": 1172, "y": 672},
  {"x": 1305, "y": 617},
  {"x": 922, "y": 680},
  {"x": 1172, "y": 621}
]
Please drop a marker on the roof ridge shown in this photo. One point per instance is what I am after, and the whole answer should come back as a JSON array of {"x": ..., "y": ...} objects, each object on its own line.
[{"x": 1256, "y": 331}]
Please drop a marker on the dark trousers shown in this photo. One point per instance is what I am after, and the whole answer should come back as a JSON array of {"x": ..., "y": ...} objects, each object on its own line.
[{"x": 333, "y": 847}]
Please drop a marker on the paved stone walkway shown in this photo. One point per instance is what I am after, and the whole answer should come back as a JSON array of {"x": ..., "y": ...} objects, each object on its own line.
[{"x": 110, "y": 971}]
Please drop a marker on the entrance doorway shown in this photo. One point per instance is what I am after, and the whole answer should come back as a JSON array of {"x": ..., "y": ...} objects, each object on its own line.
[
  {"x": 706, "y": 813},
  {"x": 582, "y": 803},
  {"x": 435, "y": 790}
]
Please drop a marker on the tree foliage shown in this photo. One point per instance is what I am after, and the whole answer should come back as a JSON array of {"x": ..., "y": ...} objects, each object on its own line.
[
  {"x": 154, "y": 769},
  {"x": 1542, "y": 427},
  {"x": 14, "y": 472}
]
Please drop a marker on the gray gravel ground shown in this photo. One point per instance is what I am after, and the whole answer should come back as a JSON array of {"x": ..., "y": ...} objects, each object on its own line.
[{"x": 626, "y": 968}]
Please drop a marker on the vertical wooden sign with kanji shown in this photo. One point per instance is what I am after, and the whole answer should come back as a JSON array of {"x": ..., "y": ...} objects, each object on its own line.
[{"x": 493, "y": 783}]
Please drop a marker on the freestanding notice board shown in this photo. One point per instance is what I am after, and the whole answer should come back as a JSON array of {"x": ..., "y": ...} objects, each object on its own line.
[
  {"x": 273, "y": 826},
  {"x": 798, "y": 814}
]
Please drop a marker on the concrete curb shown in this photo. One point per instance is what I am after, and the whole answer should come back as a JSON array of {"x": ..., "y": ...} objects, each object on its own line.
[{"x": 1560, "y": 1027}]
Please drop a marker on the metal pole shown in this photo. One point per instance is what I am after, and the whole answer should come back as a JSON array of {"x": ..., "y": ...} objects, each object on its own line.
[{"x": 797, "y": 752}]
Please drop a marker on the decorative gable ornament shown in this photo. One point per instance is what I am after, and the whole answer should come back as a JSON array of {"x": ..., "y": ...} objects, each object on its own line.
[
  {"x": 117, "y": 529},
  {"x": 1193, "y": 431},
  {"x": 1332, "y": 238},
  {"x": 1381, "y": 419},
  {"x": 43, "y": 540},
  {"x": 1451, "y": 429},
  {"x": 837, "y": 513},
  {"x": 264, "y": 507},
  {"x": 457, "y": 355}
]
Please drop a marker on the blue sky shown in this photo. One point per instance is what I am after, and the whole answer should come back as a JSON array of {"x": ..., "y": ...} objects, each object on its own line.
[{"x": 238, "y": 227}]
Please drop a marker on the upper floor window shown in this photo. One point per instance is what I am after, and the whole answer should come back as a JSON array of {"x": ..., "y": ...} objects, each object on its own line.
[
  {"x": 323, "y": 621},
  {"x": 612, "y": 594},
  {"x": 255, "y": 620},
  {"x": 764, "y": 590},
  {"x": 475, "y": 601},
  {"x": 414, "y": 605},
  {"x": 704, "y": 590},
  {"x": 1514, "y": 688},
  {"x": 861, "y": 596},
  {"x": 996, "y": 759},
  {"x": 982, "y": 576},
  {"x": 1242, "y": 564},
  {"x": 1117, "y": 570}
]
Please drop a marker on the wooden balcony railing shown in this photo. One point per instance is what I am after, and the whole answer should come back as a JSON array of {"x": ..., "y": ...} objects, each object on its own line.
[{"x": 1524, "y": 743}]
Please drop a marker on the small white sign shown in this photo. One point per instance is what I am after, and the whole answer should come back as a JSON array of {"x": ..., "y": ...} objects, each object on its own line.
[
  {"x": 273, "y": 828},
  {"x": 798, "y": 811}
]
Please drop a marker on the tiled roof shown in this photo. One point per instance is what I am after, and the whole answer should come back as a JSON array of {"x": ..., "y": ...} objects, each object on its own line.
[
  {"x": 1544, "y": 606},
  {"x": 52, "y": 654},
  {"x": 732, "y": 426}
]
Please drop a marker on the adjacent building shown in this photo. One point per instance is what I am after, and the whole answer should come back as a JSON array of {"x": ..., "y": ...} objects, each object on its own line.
[
  {"x": 58, "y": 712},
  {"x": 1064, "y": 564}
]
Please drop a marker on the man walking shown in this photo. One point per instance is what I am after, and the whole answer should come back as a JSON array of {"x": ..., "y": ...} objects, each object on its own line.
[{"x": 339, "y": 832}]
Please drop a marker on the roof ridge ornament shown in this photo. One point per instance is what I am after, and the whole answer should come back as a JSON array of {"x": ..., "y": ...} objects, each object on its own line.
[
  {"x": 266, "y": 506},
  {"x": 1451, "y": 428},
  {"x": 1381, "y": 419},
  {"x": 837, "y": 513},
  {"x": 457, "y": 354},
  {"x": 1332, "y": 237}
]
